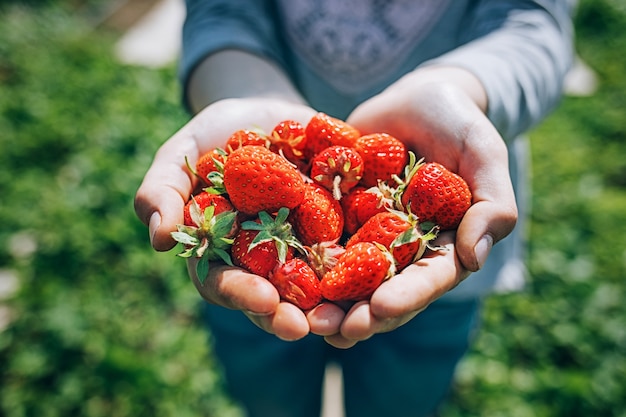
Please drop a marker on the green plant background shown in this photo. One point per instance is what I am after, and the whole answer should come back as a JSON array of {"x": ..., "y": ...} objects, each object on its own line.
[{"x": 103, "y": 326}]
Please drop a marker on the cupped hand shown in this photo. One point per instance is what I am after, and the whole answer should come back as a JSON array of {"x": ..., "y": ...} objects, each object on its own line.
[
  {"x": 443, "y": 121},
  {"x": 168, "y": 184}
]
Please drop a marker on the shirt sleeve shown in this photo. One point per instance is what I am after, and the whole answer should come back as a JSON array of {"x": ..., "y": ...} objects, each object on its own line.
[
  {"x": 213, "y": 25},
  {"x": 521, "y": 51}
]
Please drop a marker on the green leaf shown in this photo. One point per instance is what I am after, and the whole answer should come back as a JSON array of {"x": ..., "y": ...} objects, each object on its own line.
[
  {"x": 184, "y": 238},
  {"x": 202, "y": 268},
  {"x": 265, "y": 218},
  {"x": 224, "y": 256},
  {"x": 224, "y": 223},
  {"x": 283, "y": 214}
]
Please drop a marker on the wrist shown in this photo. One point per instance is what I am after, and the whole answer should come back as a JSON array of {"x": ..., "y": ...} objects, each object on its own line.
[{"x": 237, "y": 74}]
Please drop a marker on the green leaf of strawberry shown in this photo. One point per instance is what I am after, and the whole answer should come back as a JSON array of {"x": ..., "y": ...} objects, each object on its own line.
[
  {"x": 262, "y": 244},
  {"x": 210, "y": 224}
]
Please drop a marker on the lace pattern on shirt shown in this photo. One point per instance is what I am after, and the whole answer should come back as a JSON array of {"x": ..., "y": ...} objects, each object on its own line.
[{"x": 353, "y": 44}]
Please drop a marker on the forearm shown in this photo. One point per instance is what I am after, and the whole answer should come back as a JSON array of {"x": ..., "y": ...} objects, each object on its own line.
[{"x": 237, "y": 74}]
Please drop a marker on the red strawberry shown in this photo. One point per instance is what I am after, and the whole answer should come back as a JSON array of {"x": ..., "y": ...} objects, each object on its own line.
[
  {"x": 323, "y": 131},
  {"x": 245, "y": 137},
  {"x": 362, "y": 203},
  {"x": 209, "y": 162},
  {"x": 383, "y": 156},
  {"x": 297, "y": 283},
  {"x": 288, "y": 139},
  {"x": 200, "y": 202},
  {"x": 318, "y": 218},
  {"x": 260, "y": 259},
  {"x": 359, "y": 271},
  {"x": 262, "y": 244},
  {"x": 435, "y": 194},
  {"x": 338, "y": 169},
  {"x": 256, "y": 179},
  {"x": 210, "y": 224},
  {"x": 398, "y": 232}
]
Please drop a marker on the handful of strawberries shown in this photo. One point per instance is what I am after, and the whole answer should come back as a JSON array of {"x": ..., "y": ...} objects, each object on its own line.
[{"x": 321, "y": 211}]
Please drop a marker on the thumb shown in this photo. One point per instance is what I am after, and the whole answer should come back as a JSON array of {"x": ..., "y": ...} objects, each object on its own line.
[
  {"x": 484, "y": 224},
  {"x": 161, "y": 197}
]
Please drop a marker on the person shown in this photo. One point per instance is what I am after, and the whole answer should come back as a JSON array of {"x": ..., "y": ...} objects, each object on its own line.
[{"x": 459, "y": 82}]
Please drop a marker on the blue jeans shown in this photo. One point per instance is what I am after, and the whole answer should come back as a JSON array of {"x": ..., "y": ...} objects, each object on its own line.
[{"x": 403, "y": 373}]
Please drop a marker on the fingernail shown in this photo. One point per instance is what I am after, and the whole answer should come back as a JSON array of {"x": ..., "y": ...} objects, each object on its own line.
[
  {"x": 256, "y": 314},
  {"x": 153, "y": 226},
  {"x": 482, "y": 249}
]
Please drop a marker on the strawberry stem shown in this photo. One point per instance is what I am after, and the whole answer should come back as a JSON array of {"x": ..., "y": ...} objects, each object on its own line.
[{"x": 337, "y": 187}]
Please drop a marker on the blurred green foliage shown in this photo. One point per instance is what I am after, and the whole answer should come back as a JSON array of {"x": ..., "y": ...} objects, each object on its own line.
[
  {"x": 103, "y": 326},
  {"x": 559, "y": 347}
]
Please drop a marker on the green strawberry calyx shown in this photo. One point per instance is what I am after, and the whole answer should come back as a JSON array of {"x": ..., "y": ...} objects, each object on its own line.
[
  {"x": 424, "y": 232},
  {"x": 209, "y": 239},
  {"x": 409, "y": 172},
  {"x": 275, "y": 229},
  {"x": 216, "y": 178}
]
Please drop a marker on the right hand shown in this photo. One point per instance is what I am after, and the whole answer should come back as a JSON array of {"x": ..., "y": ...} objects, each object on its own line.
[{"x": 168, "y": 184}]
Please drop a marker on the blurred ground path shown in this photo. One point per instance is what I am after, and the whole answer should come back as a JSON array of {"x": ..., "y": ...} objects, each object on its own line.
[{"x": 153, "y": 40}]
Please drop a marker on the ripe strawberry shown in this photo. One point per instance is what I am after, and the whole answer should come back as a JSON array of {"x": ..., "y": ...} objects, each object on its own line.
[
  {"x": 359, "y": 271},
  {"x": 297, "y": 283},
  {"x": 262, "y": 244},
  {"x": 256, "y": 179},
  {"x": 362, "y": 203},
  {"x": 208, "y": 163},
  {"x": 435, "y": 194},
  {"x": 289, "y": 139},
  {"x": 338, "y": 169},
  {"x": 399, "y": 232},
  {"x": 195, "y": 207},
  {"x": 318, "y": 218},
  {"x": 383, "y": 156},
  {"x": 245, "y": 137},
  {"x": 323, "y": 131},
  {"x": 209, "y": 226}
]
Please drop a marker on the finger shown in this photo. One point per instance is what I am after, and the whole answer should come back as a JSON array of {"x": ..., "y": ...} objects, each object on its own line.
[
  {"x": 419, "y": 284},
  {"x": 161, "y": 197},
  {"x": 484, "y": 224},
  {"x": 493, "y": 213},
  {"x": 339, "y": 341},
  {"x": 288, "y": 322},
  {"x": 236, "y": 289},
  {"x": 359, "y": 323},
  {"x": 325, "y": 319}
]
